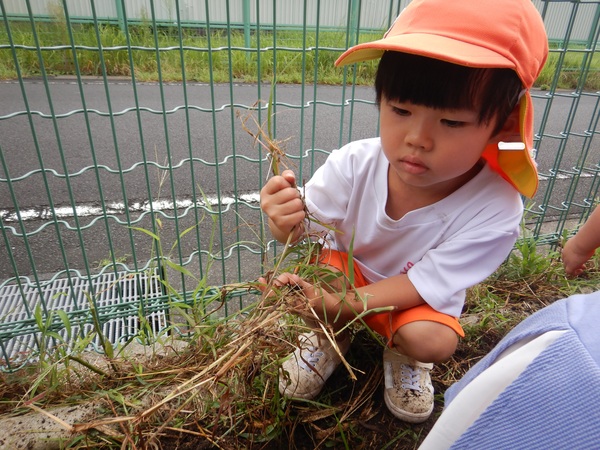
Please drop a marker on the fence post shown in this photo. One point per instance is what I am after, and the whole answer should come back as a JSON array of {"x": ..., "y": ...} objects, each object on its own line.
[
  {"x": 246, "y": 17},
  {"x": 354, "y": 21},
  {"x": 120, "y": 15}
]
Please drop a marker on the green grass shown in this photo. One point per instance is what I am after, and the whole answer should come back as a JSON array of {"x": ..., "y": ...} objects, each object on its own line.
[{"x": 289, "y": 63}]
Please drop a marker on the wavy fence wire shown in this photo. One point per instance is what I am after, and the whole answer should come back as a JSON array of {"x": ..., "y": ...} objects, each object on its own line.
[{"x": 119, "y": 197}]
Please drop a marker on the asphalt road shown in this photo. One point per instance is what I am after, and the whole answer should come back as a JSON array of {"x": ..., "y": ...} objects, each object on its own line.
[
  {"x": 100, "y": 126},
  {"x": 212, "y": 137}
]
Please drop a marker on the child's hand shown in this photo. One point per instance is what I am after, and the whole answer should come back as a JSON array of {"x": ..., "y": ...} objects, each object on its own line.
[
  {"x": 309, "y": 291},
  {"x": 574, "y": 259},
  {"x": 325, "y": 304},
  {"x": 581, "y": 247},
  {"x": 280, "y": 200}
]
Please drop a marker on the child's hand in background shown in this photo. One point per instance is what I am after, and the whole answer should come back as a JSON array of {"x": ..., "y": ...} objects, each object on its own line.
[{"x": 574, "y": 258}]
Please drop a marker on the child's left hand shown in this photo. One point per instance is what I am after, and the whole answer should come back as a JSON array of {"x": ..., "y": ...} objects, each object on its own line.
[{"x": 325, "y": 304}]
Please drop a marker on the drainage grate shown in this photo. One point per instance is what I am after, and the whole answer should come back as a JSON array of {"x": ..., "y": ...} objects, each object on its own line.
[{"x": 124, "y": 303}]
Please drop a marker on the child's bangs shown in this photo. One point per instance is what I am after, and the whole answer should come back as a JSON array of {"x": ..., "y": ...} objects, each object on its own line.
[
  {"x": 442, "y": 85},
  {"x": 426, "y": 81}
]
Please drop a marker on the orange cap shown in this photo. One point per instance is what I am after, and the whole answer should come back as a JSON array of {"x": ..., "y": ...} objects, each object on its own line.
[{"x": 475, "y": 33}]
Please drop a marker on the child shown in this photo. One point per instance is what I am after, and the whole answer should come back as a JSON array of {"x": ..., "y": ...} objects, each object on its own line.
[
  {"x": 581, "y": 247},
  {"x": 429, "y": 208}
]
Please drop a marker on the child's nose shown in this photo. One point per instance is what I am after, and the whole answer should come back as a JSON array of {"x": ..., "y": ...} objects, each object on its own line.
[{"x": 419, "y": 135}]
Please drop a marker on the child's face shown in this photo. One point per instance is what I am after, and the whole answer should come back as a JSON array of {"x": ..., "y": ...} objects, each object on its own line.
[{"x": 432, "y": 149}]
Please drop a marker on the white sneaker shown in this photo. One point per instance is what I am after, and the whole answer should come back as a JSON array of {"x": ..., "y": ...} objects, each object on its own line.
[
  {"x": 408, "y": 389},
  {"x": 305, "y": 371}
]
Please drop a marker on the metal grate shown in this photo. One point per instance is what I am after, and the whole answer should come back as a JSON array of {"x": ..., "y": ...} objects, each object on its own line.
[{"x": 124, "y": 303}]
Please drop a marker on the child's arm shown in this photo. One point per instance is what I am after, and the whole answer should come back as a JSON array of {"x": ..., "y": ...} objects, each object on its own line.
[
  {"x": 581, "y": 247},
  {"x": 280, "y": 201},
  {"x": 396, "y": 292}
]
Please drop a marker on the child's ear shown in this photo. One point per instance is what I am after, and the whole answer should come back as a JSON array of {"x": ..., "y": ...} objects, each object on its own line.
[{"x": 510, "y": 129}]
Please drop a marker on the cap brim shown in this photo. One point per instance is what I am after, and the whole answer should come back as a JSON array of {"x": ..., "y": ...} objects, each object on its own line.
[{"x": 428, "y": 45}]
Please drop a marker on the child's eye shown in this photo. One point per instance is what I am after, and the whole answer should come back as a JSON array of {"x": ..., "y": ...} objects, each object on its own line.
[
  {"x": 453, "y": 123},
  {"x": 400, "y": 111}
]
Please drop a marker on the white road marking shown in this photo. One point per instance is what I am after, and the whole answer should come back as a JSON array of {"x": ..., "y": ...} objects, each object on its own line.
[{"x": 94, "y": 210}]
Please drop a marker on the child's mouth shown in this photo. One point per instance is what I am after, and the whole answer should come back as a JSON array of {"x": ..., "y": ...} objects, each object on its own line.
[{"x": 412, "y": 167}]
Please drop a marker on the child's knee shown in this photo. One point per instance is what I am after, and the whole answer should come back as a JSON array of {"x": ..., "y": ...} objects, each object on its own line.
[{"x": 426, "y": 341}]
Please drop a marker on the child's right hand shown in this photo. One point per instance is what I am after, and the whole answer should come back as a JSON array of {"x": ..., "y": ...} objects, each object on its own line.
[{"x": 280, "y": 200}]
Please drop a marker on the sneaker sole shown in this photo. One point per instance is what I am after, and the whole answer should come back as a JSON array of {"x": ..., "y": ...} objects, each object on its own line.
[{"x": 405, "y": 415}]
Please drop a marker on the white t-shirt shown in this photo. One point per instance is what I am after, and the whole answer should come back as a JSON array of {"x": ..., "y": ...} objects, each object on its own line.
[{"x": 444, "y": 248}]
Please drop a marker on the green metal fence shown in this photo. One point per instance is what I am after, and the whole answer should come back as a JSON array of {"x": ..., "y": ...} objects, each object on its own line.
[{"x": 120, "y": 196}]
